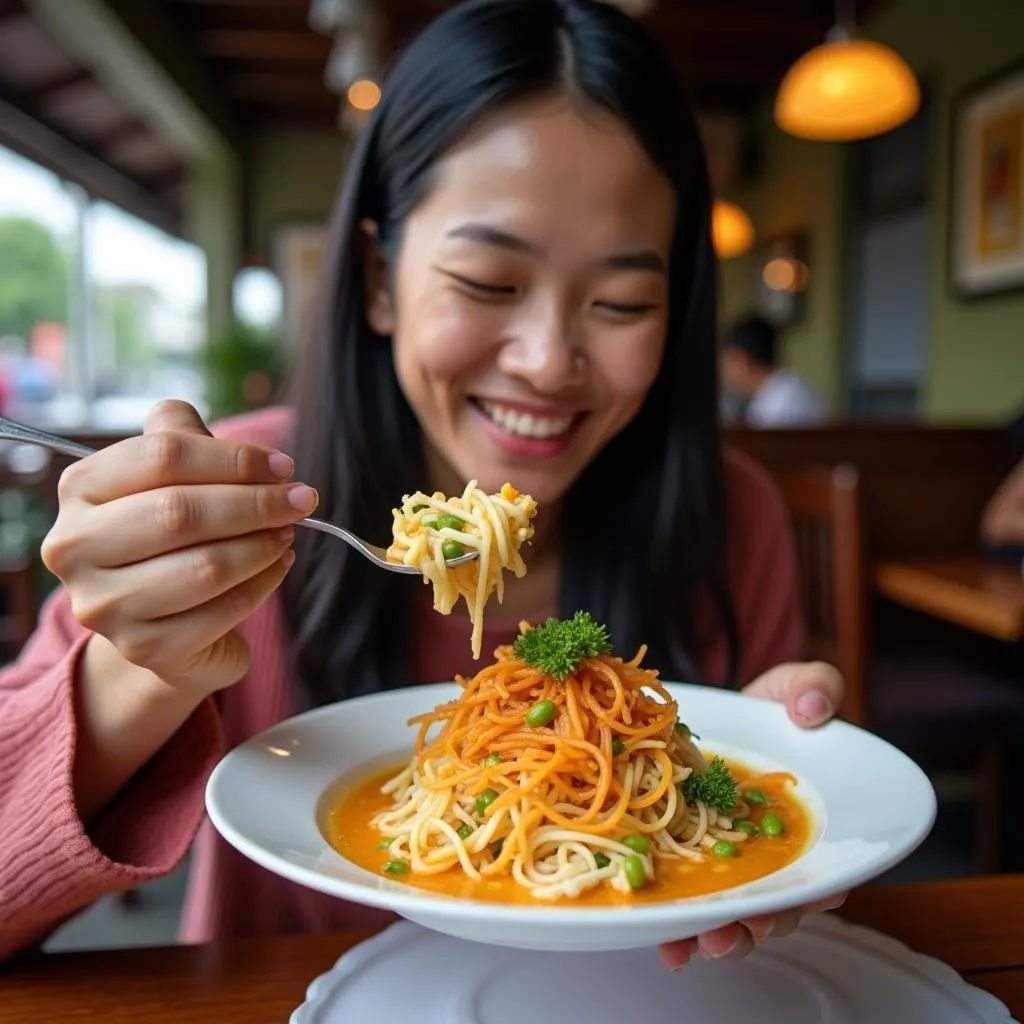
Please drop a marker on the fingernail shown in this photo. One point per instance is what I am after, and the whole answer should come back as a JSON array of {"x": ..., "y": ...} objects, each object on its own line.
[
  {"x": 287, "y": 535},
  {"x": 288, "y": 558},
  {"x": 302, "y": 497},
  {"x": 813, "y": 705},
  {"x": 728, "y": 951},
  {"x": 281, "y": 465}
]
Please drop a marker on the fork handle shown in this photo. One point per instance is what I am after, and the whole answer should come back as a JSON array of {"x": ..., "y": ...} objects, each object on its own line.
[{"x": 11, "y": 431}]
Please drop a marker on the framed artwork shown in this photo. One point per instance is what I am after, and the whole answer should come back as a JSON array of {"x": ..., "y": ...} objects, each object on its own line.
[
  {"x": 298, "y": 257},
  {"x": 986, "y": 215},
  {"x": 781, "y": 278}
]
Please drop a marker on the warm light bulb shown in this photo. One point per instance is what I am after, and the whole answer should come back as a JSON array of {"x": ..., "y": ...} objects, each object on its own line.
[
  {"x": 847, "y": 89},
  {"x": 364, "y": 94},
  {"x": 731, "y": 230}
]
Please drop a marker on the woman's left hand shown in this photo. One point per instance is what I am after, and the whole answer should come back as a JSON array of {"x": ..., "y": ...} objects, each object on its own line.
[{"x": 812, "y": 691}]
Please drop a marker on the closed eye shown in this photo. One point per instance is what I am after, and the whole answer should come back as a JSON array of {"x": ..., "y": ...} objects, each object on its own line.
[
  {"x": 626, "y": 308},
  {"x": 480, "y": 287}
]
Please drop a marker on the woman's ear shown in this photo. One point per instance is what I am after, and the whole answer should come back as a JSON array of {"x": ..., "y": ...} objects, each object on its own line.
[{"x": 380, "y": 308}]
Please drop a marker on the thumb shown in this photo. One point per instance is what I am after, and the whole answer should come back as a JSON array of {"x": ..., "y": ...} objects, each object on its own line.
[
  {"x": 176, "y": 417},
  {"x": 811, "y": 690}
]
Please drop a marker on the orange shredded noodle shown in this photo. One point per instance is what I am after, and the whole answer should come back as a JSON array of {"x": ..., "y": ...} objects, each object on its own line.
[{"x": 541, "y": 803}]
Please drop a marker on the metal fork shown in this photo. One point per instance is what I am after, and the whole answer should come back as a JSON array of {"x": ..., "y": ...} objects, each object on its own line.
[{"x": 11, "y": 431}]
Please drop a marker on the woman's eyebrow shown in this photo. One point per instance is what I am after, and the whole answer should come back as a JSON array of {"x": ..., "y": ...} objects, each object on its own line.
[{"x": 487, "y": 234}]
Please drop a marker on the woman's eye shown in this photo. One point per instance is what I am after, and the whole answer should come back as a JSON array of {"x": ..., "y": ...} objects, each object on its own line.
[
  {"x": 626, "y": 308},
  {"x": 482, "y": 287}
]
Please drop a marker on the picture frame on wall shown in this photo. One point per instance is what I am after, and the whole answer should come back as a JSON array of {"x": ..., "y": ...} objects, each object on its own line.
[
  {"x": 986, "y": 189},
  {"x": 298, "y": 258}
]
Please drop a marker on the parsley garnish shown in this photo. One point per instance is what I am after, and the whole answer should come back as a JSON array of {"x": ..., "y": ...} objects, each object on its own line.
[
  {"x": 560, "y": 645},
  {"x": 715, "y": 787}
]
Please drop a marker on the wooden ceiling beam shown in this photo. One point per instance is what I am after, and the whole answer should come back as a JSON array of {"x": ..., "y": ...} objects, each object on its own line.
[
  {"x": 279, "y": 87},
  {"x": 253, "y": 44},
  {"x": 48, "y": 88}
]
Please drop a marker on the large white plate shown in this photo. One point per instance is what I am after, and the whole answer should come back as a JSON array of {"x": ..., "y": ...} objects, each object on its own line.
[
  {"x": 870, "y": 804},
  {"x": 828, "y": 972}
]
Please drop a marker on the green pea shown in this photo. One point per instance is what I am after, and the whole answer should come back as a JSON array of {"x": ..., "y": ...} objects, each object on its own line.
[
  {"x": 723, "y": 848},
  {"x": 618, "y": 747},
  {"x": 464, "y": 831},
  {"x": 419, "y": 508},
  {"x": 683, "y": 729},
  {"x": 755, "y": 796},
  {"x": 541, "y": 713},
  {"x": 447, "y": 522},
  {"x": 746, "y": 826},
  {"x": 452, "y": 549},
  {"x": 633, "y": 869},
  {"x": 396, "y": 867},
  {"x": 385, "y": 844},
  {"x": 771, "y": 825},
  {"x": 492, "y": 759},
  {"x": 638, "y": 844},
  {"x": 484, "y": 800},
  {"x": 601, "y": 860}
]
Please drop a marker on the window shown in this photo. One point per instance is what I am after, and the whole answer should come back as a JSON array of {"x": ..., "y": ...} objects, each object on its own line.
[{"x": 101, "y": 314}]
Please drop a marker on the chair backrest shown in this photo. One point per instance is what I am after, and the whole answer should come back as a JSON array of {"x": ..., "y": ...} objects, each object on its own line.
[{"x": 825, "y": 506}]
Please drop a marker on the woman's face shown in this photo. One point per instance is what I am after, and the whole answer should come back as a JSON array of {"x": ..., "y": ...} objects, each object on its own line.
[{"x": 529, "y": 303}]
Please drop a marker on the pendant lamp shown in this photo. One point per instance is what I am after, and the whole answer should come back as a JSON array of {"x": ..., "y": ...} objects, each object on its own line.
[
  {"x": 731, "y": 230},
  {"x": 846, "y": 88}
]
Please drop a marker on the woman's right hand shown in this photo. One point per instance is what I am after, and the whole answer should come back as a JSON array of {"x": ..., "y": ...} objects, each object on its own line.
[{"x": 167, "y": 541}]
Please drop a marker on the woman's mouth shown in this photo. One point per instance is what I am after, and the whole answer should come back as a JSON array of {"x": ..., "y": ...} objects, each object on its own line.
[{"x": 528, "y": 432}]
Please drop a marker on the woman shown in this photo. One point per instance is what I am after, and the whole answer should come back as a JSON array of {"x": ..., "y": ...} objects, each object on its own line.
[{"x": 521, "y": 287}]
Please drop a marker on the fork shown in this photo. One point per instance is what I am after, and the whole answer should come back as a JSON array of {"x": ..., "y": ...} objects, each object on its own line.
[{"x": 11, "y": 431}]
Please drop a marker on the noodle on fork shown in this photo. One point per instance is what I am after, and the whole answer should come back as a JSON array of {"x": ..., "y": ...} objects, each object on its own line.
[{"x": 430, "y": 529}]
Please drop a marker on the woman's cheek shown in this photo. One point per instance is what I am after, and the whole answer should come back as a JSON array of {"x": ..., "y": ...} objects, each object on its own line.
[{"x": 631, "y": 362}]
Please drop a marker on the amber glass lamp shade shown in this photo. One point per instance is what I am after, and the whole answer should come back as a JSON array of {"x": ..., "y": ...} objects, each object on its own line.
[{"x": 846, "y": 89}]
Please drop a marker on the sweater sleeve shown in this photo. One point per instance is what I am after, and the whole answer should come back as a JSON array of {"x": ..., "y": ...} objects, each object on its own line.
[
  {"x": 763, "y": 570},
  {"x": 51, "y": 865}
]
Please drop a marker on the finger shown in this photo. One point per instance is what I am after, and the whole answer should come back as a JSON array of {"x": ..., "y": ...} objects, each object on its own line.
[
  {"x": 190, "y": 643},
  {"x": 731, "y": 941},
  {"x": 176, "y": 416},
  {"x": 179, "y": 581},
  {"x": 812, "y": 691},
  {"x": 675, "y": 955},
  {"x": 166, "y": 458},
  {"x": 831, "y": 903},
  {"x": 773, "y": 926},
  {"x": 145, "y": 526}
]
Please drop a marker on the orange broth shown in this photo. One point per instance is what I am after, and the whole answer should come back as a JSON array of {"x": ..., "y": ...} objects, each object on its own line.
[{"x": 350, "y": 833}]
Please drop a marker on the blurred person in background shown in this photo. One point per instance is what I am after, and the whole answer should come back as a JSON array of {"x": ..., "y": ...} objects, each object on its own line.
[{"x": 772, "y": 396}]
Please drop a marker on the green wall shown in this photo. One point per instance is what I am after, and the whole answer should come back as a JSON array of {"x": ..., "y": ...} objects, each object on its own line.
[
  {"x": 292, "y": 175},
  {"x": 976, "y": 360}
]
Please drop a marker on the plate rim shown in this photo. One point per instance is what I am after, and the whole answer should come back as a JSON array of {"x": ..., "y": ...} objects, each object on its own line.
[
  {"x": 323, "y": 986},
  {"x": 405, "y": 900}
]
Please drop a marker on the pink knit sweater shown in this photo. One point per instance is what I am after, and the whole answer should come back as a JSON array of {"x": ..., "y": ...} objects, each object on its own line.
[{"x": 52, "y": 866}]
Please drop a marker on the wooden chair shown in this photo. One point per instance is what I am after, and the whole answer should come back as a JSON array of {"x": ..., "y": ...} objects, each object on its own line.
[
  {"x": 825, "y": 506},
  {"x": 942, "y": 713}
]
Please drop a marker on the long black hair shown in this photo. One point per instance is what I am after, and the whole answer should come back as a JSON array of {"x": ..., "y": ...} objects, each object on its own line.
[{"x": 357, "y": 440}]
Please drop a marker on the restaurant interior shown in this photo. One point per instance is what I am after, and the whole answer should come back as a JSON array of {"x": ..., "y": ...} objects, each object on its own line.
[{"x": 167, "y": 169}]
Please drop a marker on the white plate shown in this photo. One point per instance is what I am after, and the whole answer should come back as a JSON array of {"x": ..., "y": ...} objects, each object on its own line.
[
  {"x": 870, "y": 804},
  {"x": 828, "y": 972}
]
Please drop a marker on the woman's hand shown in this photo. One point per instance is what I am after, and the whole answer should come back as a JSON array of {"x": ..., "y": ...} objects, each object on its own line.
[
  {"x": 167, "y": 541},
  {"x": 811, "y": 692}
]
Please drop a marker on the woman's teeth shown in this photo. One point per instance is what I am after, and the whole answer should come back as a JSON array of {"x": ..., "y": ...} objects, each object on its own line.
[{"x": 525, "y": 424}]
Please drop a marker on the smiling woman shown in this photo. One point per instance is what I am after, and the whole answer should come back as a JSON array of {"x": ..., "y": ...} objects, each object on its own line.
[{"x": 519, "y": 287}]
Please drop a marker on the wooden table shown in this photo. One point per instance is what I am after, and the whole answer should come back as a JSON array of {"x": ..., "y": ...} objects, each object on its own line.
[
  {"x": 967, "y": 591},
  {"x": 974, "y": 925}
]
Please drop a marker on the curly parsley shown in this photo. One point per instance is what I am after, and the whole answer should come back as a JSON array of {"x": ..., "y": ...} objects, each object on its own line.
[
  {"x": 715, "y": 787},
  {"x": 559, "y": 646}
]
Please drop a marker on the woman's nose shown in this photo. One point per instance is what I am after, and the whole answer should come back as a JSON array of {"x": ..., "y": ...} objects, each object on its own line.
[{"x": 546, "y": 351}]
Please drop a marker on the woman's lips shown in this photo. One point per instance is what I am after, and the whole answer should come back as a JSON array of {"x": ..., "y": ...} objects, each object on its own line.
[{"x": 528, "y": 431}]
